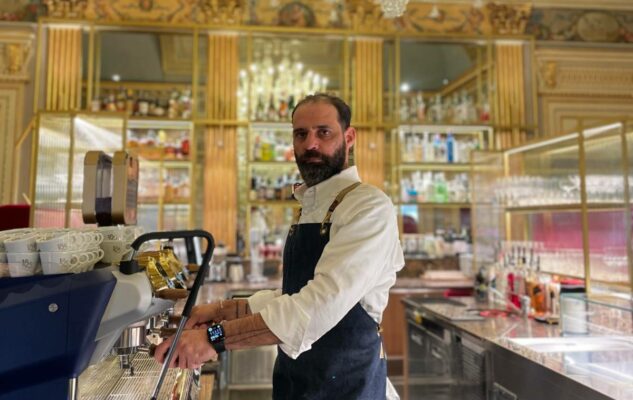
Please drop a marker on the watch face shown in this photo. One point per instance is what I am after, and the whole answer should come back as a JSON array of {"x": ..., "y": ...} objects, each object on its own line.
[{"x": 216, "y": 333}]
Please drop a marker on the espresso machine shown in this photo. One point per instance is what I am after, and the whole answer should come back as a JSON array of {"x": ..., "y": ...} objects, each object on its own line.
[{"x": 57, "y": 327}]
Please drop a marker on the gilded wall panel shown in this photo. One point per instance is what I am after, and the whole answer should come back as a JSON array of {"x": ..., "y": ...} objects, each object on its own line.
[
  {"x": 582, "y": 83},
  {"x": 11, "y": 97}
]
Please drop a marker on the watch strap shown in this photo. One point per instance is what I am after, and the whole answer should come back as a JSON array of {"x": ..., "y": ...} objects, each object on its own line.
[{"x": 219, "y": 346}]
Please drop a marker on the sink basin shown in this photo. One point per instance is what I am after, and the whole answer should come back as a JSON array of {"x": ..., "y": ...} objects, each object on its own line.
[{"x": 577, "y": 344}]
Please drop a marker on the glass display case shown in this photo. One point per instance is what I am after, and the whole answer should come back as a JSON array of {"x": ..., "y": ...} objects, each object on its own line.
[
  {"x": 166, "y": 170},
  {"x": 564, "y": 204},
  {"x": 62, "y": 140}
]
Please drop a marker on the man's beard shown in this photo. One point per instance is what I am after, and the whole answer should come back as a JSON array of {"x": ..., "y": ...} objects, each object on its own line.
[{"x": 314, "y": 173}]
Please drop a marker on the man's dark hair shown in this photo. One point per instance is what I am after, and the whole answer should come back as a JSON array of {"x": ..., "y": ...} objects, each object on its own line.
[{"x": 344, "y": 112}]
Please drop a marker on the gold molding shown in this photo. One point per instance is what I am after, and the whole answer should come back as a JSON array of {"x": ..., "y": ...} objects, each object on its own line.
[
  {"x": 70, "y": 9},
  {"x": 16, "y": 53},
  {"x": 588, "y": 72}
]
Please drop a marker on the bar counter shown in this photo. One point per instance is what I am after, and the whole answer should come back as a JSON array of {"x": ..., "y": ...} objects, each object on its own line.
[
  {"x": 543, "y": 345},
  {"x": 214, "y": 291}
]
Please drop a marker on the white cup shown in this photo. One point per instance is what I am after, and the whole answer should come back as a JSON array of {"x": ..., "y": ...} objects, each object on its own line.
[
  {"x": 65, "y": 241},
  {"x": 21, "y": 244},
  {"x": 114, "y": 251},
  {"x": 23, "y": 264},
  {"x": 236, "y": 273},
  {"x": 89, "y": 259},
  {"x": 59, "y": 262}
]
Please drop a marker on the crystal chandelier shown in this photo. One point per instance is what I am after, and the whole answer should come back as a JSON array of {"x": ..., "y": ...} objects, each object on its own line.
[
  {"x": 392, "y": 8},
  {"x": 276, "y": 79}
]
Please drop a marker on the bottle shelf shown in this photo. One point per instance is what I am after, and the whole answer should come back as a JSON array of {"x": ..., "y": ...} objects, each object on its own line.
[
  {"x": 436, "y": 205},
  {"x": 275, "y": 203},
  {"x": 273, "y": 163},
  {"x": 573, "y": 207},
  {"x": 434, "y": 166}
]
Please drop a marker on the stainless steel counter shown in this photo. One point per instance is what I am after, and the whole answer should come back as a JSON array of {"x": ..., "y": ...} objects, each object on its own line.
[
  {"x": 215, "y": 291},
  {"x": 603, "y": 364}
]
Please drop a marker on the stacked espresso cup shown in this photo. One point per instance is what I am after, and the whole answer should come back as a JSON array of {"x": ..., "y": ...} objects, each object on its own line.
[{"x": 29, "y": 251}]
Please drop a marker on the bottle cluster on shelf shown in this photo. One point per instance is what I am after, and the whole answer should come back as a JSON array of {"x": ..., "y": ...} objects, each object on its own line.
[
  {"x": 439, "y": 244},
  {"x": 460, "y": 108},
  {"x": 152, "y": 144},
  {"x": 514, "y": 281},
  {"x": 433, "y": 187},
  {"x": 175, "y": 185},
  {"x": 267, "y": 146},
  {"x": 280, "y": 188},
  {"x": 436, "y": 147},
  {"x": 173, "y": 104}
]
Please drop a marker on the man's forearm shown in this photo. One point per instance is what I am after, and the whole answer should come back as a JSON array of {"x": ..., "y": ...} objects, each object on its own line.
[{"x": 247, "y": 332}]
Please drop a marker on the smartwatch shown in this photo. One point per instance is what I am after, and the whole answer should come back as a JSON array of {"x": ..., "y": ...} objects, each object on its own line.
[{"x": 215, "y": 334}]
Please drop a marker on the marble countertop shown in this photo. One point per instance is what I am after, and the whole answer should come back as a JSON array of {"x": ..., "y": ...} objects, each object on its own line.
[{"x": 586, "y": 367}]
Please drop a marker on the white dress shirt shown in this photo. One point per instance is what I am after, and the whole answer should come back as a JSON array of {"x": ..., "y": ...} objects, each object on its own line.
[{"x": 358, "y": 264}]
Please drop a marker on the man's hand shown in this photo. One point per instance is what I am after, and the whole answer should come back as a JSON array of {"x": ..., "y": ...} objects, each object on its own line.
[
  {"x": 192, "y": 351},
  {"x": 202, "y": 314}
]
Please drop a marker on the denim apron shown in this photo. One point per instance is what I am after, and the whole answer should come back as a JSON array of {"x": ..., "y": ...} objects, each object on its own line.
[{"x": 346, "y": 363}]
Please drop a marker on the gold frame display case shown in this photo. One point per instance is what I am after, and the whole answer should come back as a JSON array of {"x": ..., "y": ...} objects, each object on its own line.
[
  {"x": 432, "y": 178},
  {"x": 564, "y": 199},
  {"x": 155, "y": 88},
  {"x": 60, "y": 142},
  {"x": 425, "y": 104}
]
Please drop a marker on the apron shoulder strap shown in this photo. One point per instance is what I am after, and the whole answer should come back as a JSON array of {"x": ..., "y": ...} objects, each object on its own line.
[{"x": 339, "y": 198}]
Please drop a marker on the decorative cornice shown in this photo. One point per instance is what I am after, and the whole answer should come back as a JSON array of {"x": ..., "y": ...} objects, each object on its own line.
[
  {"x": 71, "y": 9},
  {"x": 506, "y": 19},
  {"x": 365, "y": 15},
  {"x": 225, "y": 12}
]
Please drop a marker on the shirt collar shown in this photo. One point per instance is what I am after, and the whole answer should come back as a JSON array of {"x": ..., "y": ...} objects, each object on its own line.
[{"x": 327, "y": 189}]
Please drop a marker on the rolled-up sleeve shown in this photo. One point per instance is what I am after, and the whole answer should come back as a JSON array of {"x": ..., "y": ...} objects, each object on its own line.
[
  {"x": 259, "y": 300},
  {"x": 360, "y": 252}
]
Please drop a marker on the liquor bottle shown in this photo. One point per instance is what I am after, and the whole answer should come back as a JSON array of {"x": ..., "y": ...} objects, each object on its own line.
[
  {"x": 260, "y": 108},
  {"x": 185, "y": 145},
  {"x": 404, "y": 110},
  {"x": 130, "y": 102},
  {"x": 283, "y": 107},
  {"x": 484, "y": 114},
  {"x": 420, "y": 107},
  {"x": 257, "y": 149},
  {"x": 272, "y": 113},
  {"x": 450, "y": 148},
  {"x": 291, "y": 104}
]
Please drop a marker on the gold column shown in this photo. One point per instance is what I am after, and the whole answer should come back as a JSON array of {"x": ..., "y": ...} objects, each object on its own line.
[
  {"x": 63, "y": 69},
  {"x": 510, "y": 95},
  {"x": 369, "y": 150},
  {"x": 220, "y": 168}
]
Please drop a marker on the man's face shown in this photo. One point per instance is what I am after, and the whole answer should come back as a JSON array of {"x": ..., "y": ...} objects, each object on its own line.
[{"x": 320, "y": 145}]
